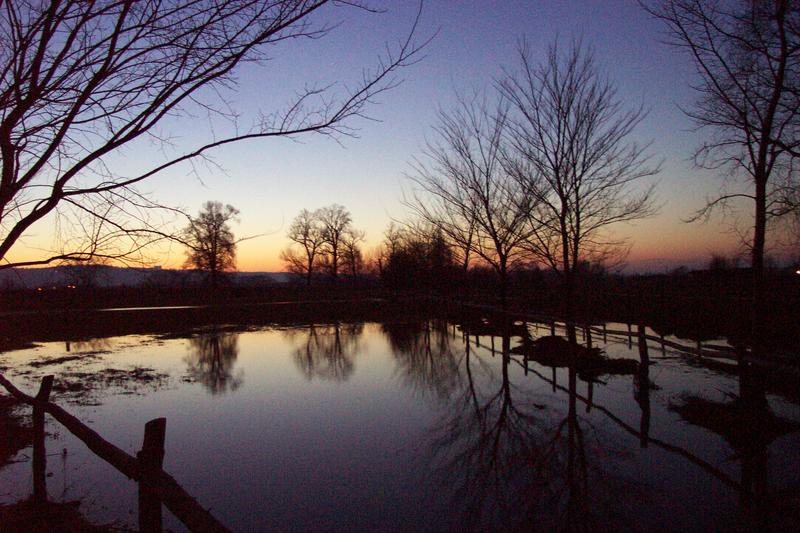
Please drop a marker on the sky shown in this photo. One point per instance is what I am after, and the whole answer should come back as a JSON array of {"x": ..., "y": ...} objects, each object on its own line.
[{"x": 271, "y": 180}]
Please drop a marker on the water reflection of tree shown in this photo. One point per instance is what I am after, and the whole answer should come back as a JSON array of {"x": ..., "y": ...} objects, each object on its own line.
[
  {"x": 748, "y": 424},
  {"x": 328, "y": 350},
  {"x": 425, "y": 356},
  {"x": 211, "y": 360},
  {"x": 516, "y": 465}
]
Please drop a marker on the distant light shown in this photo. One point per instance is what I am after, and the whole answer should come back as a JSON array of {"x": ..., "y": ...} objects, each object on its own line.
[
  {"x": 797, "y": 271},
  {"x": 70, "y": 286},
  {"x": 39, "y": 289}
]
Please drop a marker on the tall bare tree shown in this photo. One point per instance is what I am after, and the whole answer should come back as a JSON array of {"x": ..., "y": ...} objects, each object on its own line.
[
  {"x": 352, "y": 257},
  {"x": 465, "y": 190},
  {"x": 210, "y": 241},
  {"x": 747, "y": 57},
  {"x": 336, "y": 223},
  {"x": 573, "y": 157},
  {"x": 305, "y": 231},
  {"x": 80, "y": 81}
]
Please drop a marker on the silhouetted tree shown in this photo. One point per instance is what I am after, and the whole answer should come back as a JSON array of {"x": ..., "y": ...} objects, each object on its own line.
[
  {"x": 393, "y": 238},
  {"x": 212, "y": 247},
  {"x": 352, "y": 258},
  {"x": 418, "y": 258},
  {"x": 306, "y": 231},
  {"x": 83, "y": 80},
  {"x": 573, "y": 159},
  {"x": 336, "y": 222},
  {"x": 468, "y": 193},
  {"x": 747, "y": 56},
  {"x": 721, "y": 262}
]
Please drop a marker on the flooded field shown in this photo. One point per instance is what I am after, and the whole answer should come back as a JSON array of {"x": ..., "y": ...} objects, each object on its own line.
[{"x": 417, "y": 426}]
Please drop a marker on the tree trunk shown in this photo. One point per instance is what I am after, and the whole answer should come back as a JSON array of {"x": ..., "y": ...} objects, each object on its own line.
[
  {"x": 503, "y": 284},
  {"x": 757, "y": 267}
]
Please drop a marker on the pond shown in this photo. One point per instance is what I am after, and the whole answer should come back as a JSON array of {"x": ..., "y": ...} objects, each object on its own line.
[{"x": 418, "y": 426}]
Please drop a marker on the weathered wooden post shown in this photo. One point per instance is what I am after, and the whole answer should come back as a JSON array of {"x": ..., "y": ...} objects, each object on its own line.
[
  {"x": 492, "y": 337},
  {"x": 39, "y": 451},
  {"x": 605, "y": 333},
  {"x": 630, "y": 337},
  {"x": 554, "y": 379},
  {"x": 150, "y": 458},
  {"x": 587, "y": 334},
  {"x": 552, "y": 327},
  {"x": 699, "y": 347}
]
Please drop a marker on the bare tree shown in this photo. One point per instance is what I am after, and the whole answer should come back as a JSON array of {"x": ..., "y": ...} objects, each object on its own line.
[
  {"x": 352, "y": 257},
  {"x": 573, "y": 158},
  {"x": 306, "y": 231},
  {"x": 747, "y": 56},
  {"x": 336, "y": 223},
  {"x": 465, "y": 190},
  {"x": 80, "y": 81},
  {"x": 212, "y": 247},
  {"x": 393, "y": 240}
]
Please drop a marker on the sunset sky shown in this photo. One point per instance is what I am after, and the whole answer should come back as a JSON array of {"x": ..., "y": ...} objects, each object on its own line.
[{"x": 270, "y": 181}]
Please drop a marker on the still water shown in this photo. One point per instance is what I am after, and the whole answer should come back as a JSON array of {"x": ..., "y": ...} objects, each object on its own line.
[{"x": 417, "y": 427}]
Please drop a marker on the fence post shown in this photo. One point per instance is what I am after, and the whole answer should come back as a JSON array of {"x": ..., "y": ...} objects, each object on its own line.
[
  {"x": 150, "y": 457},
  {"x": 630, "y": 337},
  {"x": 587, "y": 334},
  {"x": 643, "y": 355},
  {"x": 605, "y": 333},
  {"x": 39, "y": 451},
  {"x": 553, "y": 328}
]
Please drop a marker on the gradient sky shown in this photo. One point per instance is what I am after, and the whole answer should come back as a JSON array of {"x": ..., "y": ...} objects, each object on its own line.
[{"x": 270, "y": 181}]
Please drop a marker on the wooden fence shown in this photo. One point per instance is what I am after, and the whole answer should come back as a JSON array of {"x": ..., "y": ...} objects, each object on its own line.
[
  {"x": 155, "y": 485},
  {"x": 639, "y": 333}
]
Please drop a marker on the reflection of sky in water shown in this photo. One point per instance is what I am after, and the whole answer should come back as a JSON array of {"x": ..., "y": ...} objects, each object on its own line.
[{"x": 391, "y": 427}]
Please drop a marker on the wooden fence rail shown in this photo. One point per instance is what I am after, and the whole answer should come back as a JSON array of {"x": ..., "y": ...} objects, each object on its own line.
[{"x": 155, "y": 485}]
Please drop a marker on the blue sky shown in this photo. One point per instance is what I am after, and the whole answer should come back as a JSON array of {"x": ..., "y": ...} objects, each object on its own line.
[{"x": 271, "y": 180}]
